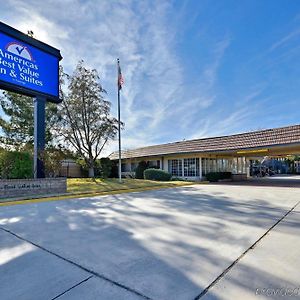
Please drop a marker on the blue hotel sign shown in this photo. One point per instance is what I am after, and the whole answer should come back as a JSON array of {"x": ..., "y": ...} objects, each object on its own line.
[{"x": 28, "y": 66}]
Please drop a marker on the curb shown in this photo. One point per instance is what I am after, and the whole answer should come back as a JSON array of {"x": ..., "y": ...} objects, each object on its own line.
[{"x": 86, "y": 195}]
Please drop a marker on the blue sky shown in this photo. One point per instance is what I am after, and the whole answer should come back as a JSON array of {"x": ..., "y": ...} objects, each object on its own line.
[{"x": 192, "y": 68}]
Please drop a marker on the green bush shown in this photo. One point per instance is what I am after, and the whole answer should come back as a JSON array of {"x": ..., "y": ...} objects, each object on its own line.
[
  {"x": 216, "y": 176},
  {"x": 157, "y": 174},
  {"x": 84, "y": 168},
  {"x": 52, "y": 161},
  {"x": 105, "y": 167},
  {"x": 139, "y": 171},
  {"x": 114, "y": 172},
  {"x": 16, "y": 165},
  {"x": 225, "y": 175}
]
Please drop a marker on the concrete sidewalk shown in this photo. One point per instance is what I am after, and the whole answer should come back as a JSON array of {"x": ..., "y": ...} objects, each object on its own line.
[
  {"x": 269, "y": 271},
  {"x": 29, "y": 272},
  {"x": 164, "y": 244}
]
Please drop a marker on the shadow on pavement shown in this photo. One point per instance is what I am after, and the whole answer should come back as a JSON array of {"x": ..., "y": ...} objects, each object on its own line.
[{"x": 165, "y": 244}]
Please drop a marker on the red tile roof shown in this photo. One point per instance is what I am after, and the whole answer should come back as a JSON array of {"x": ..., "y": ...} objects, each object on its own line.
[{"x": 255, "y": 139}]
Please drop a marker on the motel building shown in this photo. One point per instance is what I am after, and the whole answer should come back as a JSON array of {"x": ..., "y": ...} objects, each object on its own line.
[{"x": 193, "y": 159}]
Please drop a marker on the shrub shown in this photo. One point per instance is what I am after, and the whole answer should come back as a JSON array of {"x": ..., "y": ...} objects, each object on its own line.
[
  {"x": 52, "y": 161},
  {"x": 225, "y": 175},
  {"x": 157, "y": 174},
  {"x": 16, "y": 165},
  {"x": 139, "y": 171},
  {"x": 105, "y": 167},
  {"x": 216, "y": 176},
  {"x": 114, "y": 172},
  {"x": 84, "y": 168},
  {"x": 212, "y": 177}
]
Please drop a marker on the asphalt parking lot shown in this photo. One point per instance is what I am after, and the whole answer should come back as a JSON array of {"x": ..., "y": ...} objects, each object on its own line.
[{"x": 196, "y": 242}]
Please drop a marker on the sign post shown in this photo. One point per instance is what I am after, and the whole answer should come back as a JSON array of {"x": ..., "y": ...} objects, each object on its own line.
[
  {"x": 31, "y": 68},
  {"x": 39, "y": 137}
]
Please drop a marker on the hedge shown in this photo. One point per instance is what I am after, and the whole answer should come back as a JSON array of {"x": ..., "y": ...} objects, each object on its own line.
[
  {"x": 157, "y": 174},
  {"x": 105, "y": 167},
  {"x": 15, "y": 165},
  {"x": 216, "y": 176},
  {"x": 139, "y": 171}
]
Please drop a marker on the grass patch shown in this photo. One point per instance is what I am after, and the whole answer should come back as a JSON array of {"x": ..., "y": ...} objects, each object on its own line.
[
  {"x": 86, "y": 187},
  {"x": 89, "y": 185}
]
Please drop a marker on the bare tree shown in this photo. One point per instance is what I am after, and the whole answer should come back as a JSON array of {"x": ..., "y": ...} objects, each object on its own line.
[{"x": 85, "y": 124}]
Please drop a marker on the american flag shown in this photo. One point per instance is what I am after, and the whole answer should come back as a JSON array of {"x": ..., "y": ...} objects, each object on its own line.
[{"x": 120, "y": 77}]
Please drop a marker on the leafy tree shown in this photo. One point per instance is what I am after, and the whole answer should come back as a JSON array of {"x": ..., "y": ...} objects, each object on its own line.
[
  {"x": 85, "y": 123},
  {"x": 17, "y": 122},
  {"x": 14, "y": 164}
]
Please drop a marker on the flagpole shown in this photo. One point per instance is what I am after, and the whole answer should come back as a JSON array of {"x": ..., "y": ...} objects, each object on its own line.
[{"x": 119, "y": 124}]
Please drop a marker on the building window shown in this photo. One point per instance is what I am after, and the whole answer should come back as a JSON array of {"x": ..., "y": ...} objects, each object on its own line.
[
  {"x": 191, "y": 167},
  {"x": 175, "y": 167},
  {"x": 133, "y": 167},
  {"x": 158, "y": 163},
  {"x": 154, "y": 163}
]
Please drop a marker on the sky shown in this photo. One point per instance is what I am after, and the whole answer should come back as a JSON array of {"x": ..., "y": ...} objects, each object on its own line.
[{"x": 192, "y": 68}]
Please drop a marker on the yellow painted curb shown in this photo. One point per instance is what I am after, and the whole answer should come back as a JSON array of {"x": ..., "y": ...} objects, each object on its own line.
[{"x": 85, "y": 195}]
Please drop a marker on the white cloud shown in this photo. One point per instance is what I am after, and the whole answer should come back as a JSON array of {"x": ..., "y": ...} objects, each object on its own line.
[
  {"x": 210, "y": 71},
  {"x": 242, "y": 114},
  {"x": 142, "y": 35},
  {"x": 283, "y": 41}
]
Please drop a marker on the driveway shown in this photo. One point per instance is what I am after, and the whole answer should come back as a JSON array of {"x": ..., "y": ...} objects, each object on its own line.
[
  {"x": 289, "y": 181},
  {"x": 193, "y": 242}
]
